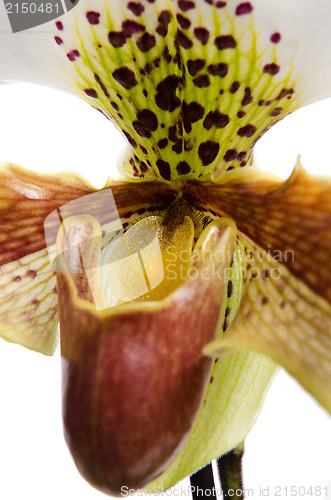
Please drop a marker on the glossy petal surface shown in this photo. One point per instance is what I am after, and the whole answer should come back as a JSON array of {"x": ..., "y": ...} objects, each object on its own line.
[{"x": 144, "y": 356}]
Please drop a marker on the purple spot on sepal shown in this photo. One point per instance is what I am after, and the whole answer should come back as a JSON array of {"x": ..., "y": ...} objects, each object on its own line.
[
  {"x": 186, "y": 5},
  {"x": 271, "y": 69},
  {"x": 91, "y": 93},
  {"x": 93, "y": 17},
  {"x": 247, "y": 131},
  {"x": 225, "y": 42},
  {"x": 275, "y": 37},
  {"x": 136, "y": 8},
  {"x": 244, "y": 8},
  {"x": 72, "y": 55}
]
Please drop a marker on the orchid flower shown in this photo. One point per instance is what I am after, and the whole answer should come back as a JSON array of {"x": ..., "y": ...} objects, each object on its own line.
[{"x": 169, "y": 379}]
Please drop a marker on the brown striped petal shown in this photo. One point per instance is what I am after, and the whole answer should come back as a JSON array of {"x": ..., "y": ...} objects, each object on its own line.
[
  {"x": 28, "y": 295},
  {"x": 291, "y": 220},
  {"x": 27, "y": 198}
]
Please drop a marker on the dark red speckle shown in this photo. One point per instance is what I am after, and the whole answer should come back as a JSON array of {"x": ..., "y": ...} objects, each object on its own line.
[
  {"x": 58, "y": 40},
  {"x": 201, "y": 81},
  {"x": 247, "y": 131},
  {"x": 202, "y": 34},
  {"x": 244, "y": 8},
  {"x": 93, "y": 17},
  {"x": 230, "y": 155},
  {"x": 183, "y": 22},
  {"x": 225, "y": 42},
  {"x": 220, "y": 4},
  {"x": 163, "y": 143},
  {"x": 234, "y": 87},
  {"x": 183, "y": 40},
  {"x": 208, "y": 151},
  {"x": 216, "y": 119},
  {"x": 183, "y": 168},
  {"x": 166, "y": 97},
  {"x": 248, "y": 98},
  {"x": 194, "y": 66},
  {"x": 59, "y": 25},
  {"x": 275, "y": 37},
  {"x": 72, "y": 55},
  {"x": 285, "y": 93},
  {"x": 271, "y": 69},
  {"x": 132, "y": 27},
  {"x": 147, "y": 122},
  {"x": 192, "y": 112},
  {"x": 164, "y": 21},
  {"x": 117, "y": 38},
  {"x": 31, "y": 273},
  {"x": 136, "y": 8},
  {"x": 146, "y": 42},
  {"x": 130, "y": 139},
  {"x": 164, "y": 169},
  {"x": 185, "y": 5},
  {"x": 91, "y": 93},
  {"x": 220, "y": 69},
  {"x": 276, "y": 111},
  {"x": 143, "y": 168},
  {"x": 125, "y": 77}
]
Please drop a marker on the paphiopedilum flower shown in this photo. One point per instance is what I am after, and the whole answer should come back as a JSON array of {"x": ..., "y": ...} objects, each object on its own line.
[{"x": 192, "y": 84}]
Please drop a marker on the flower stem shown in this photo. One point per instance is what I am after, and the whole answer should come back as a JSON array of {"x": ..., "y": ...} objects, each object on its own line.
[
  {"x": 230, "y": 473},
  {"x": 202, "y": 483}
]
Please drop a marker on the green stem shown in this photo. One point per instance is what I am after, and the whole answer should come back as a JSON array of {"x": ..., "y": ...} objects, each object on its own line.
[{"x": 230, "y": 473}]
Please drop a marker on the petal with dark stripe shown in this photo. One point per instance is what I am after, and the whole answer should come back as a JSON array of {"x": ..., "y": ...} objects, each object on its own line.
[{"x": 28, "y": 292}]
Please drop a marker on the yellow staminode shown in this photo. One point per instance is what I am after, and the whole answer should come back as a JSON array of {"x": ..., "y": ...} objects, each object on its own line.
[{"x": 148, "y": 262}]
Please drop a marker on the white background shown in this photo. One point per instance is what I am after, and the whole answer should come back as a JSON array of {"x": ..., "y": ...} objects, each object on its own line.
[{"x": 290, "y": 445}]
